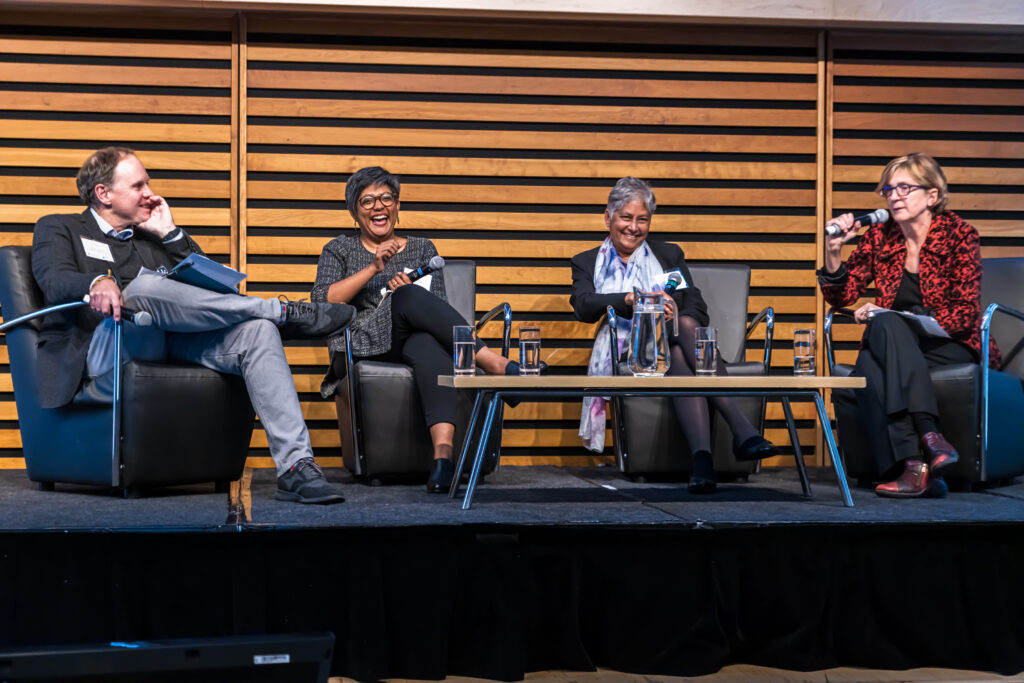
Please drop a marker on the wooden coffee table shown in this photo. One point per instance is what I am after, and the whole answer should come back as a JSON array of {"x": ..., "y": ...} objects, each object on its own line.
[{"x": 490, "y": 390}]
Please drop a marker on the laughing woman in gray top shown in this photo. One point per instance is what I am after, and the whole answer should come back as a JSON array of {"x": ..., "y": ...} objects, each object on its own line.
[{"x": 395, "y": 322}]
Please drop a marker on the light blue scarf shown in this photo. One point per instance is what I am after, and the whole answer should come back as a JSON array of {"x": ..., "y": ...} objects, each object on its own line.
[{"x": 612, "y": 276}]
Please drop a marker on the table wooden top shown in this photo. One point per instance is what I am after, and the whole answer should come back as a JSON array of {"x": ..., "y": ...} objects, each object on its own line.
[{"x": 780, "y": 382}]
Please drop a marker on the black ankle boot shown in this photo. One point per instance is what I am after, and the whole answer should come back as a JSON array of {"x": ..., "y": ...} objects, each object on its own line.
[
  {"x": 702, "y": 474},
  {"x": 441, "y": 476}
]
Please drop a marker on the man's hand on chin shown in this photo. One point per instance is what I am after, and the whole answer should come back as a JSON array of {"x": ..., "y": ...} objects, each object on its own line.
[{"x": 160, "y": 222}]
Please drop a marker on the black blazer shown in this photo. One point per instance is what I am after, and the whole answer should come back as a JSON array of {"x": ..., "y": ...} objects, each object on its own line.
[
  {"x": 589, "y": 306},
  {"x": 64, "y": 272}
]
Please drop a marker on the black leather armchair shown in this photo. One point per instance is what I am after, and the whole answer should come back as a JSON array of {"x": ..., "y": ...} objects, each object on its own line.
[
  {"x": 646, "y": 436},
  {"x": 980, "y": 410},
  {"x": 168, "y": 425},
  {"x": 383, "y": 432}
]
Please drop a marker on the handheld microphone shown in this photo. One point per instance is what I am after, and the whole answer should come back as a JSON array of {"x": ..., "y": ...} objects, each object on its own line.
[
  {"x": 436, "y": 263},
  {"x": 140, "y": 318},
  {"x": 879, "y": 216},
  {"x": 675, "y": 279}
]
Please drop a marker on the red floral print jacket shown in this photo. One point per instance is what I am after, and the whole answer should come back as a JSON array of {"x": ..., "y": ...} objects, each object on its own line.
[{"x": 950, "y": 270}]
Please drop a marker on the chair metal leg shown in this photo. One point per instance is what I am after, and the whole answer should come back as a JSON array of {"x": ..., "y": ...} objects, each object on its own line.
[
  {"x": 794, "y": 439},
  {"x": 837, "y": 464},
  {"x": 466, "y": 443},
  {"x": 492, "y": 409}
]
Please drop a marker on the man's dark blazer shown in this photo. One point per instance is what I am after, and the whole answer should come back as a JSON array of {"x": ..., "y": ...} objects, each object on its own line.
[
  {"x": 64, "y": 272},
  {"x": 589, "y": 306}
]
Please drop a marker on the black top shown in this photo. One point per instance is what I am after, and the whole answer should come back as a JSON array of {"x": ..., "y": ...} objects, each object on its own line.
[
  {"x": 589, "y": 306},
  {"x": 908, "y": 296}
]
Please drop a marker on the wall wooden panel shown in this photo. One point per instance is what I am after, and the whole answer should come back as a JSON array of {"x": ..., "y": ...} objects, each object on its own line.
[
  {"x": 508, "y": 146},
  {"x": 508, "y": 136},
  {"x": 70, "y": 84}
]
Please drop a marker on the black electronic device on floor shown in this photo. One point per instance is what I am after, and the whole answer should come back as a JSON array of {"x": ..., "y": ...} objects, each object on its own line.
[{"x": 291, "y": 658}]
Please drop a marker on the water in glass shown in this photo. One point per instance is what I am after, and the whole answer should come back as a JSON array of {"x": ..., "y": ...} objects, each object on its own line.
[
  {"x": 529, "y": 350},
  {"x": 706, "y": 350},
  {"x": 803, "y": 352},
  {"x": 464, "y": 353}
]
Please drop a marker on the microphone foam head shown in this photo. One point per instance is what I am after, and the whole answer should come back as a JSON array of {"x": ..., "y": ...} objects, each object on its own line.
[
  {"x": 675, "y": 278},
  {"x": 143, "y": 318},
  {"x": 436, "y": 263},
  {"x": 880, "y": 216}
]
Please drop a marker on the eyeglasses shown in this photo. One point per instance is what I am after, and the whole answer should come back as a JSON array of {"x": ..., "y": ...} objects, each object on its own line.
[
  {"x": 368, "y": 201},
  {"x": 901, "y": 190}
]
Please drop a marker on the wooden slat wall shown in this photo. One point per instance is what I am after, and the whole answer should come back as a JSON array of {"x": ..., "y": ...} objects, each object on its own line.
[
  {"x": 72, "y": 83},
  {"x": 508, "y": 136},
  {"x": 508, "y": 144},
  {"x": 958, "y": 98}
]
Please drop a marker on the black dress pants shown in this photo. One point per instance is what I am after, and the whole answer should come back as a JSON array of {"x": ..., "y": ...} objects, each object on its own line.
[
  {"x": 421, "y": 337},
  {"x": 895, "y": 361}
]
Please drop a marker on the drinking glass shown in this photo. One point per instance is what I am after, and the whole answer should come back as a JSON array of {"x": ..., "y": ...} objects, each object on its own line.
[
  {"x": 706, "y": 350},
  {"x": 529, "y": 350},
  {"x": 464, "y": 353},
  {"x": 803, "y": 352}
]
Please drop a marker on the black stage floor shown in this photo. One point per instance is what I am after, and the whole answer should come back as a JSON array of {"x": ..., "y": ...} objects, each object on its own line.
[
  {"x": 557, "y": 496},
  {"x": 552, "y": 569}
]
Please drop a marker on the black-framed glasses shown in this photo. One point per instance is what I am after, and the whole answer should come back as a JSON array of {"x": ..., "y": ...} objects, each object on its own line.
[
  {"x": 901, "y": 190},
  {"x": 368, "y": 201}
]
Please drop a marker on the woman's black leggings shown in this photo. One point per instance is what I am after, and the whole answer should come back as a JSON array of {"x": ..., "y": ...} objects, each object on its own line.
[
  {"x": 421, "y": 337},
  {"x": 692, "y": 411}
]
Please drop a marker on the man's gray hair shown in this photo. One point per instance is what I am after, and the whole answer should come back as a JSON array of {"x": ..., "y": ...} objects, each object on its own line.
[{"x": 626, "y": 190}]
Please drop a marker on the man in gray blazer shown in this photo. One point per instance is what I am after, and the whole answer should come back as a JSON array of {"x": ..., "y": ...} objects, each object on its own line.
[{"x": 118, "y": 251}]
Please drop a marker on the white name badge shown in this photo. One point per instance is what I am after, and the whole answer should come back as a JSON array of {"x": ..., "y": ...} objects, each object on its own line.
[{"x": 94, "y": 249}]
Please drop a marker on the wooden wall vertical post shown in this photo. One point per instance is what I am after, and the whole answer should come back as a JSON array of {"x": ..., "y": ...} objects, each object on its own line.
[
  {"x": 825, "y": 166},
  {"x": 239, "y": 159},
  {"x": 820, "y": 216}
]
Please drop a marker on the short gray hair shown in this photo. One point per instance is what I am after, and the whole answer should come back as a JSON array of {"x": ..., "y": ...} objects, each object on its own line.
[
  {"x": 99, "y": 169},
  {"x": 626, "y": 190}
]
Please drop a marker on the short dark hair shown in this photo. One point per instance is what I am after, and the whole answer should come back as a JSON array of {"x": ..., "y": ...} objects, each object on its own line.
[
  {"x": 368, "y": 177},
  {"x": 99, "y": 169}
]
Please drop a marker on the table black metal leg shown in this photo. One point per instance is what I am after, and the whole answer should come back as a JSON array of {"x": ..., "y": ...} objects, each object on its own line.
[
  {"x": 467, "y": 442},
  {"x": 481, "y": 448},
  {"x": 794, "y": 439},
  {"x": 833, "y": 450}
]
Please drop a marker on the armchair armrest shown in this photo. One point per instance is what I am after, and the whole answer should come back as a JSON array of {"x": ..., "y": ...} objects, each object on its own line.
[
  {"x": 41, "y": 312},
  {"x": 506, "y": 334},
  {"x": 830, "y": 355},
  {"x": 767, "y": 314}
]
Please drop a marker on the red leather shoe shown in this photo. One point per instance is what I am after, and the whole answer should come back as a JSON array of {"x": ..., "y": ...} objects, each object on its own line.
[
  {"x": 939, "y": 452},
  {"x": 913, "y": 483}
]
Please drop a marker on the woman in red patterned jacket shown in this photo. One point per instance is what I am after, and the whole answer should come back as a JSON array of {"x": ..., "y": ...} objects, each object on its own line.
[{"x": 927, "y": 260}]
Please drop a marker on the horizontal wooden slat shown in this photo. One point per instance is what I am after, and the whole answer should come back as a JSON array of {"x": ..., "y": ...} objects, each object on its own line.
[
  {"x": 182, "y": 77},
  {"x": 909, "y": 94},
  {"x": 876, "y": 68},
  {"x": 489, "y": 139},
  {"x": 118, "y": 18},
  {"x": 511, "y": 59},
  {"x": 6, "y": 384},
  {"x": 958, "y": 201},
  {"x": 167, "y": 187},
  {"x": 153, "y": 48},
  {"x": 336, "y": 219},
  {"x": 970, "y": 149},
  {"x": 507, "y": 194},
  {"x": 522, "y": 275},
  {"x": 532, "y": 86},
  {"x": 955, "y": 175},
  {"x": 183, "y": 215},
  {"x": 116, "y": 103},
  {"x": 212, "y": 244},
  {"x": 543, "y": 168},
  {"x": 108, "y": 132},
  {"x": 8, "y": 411},
  {"x": 928, "y": 122},
  {"x": 31, "y": 157},
  {"x": 561, "y": 113},
  {"x": 564, "y": 249}
]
